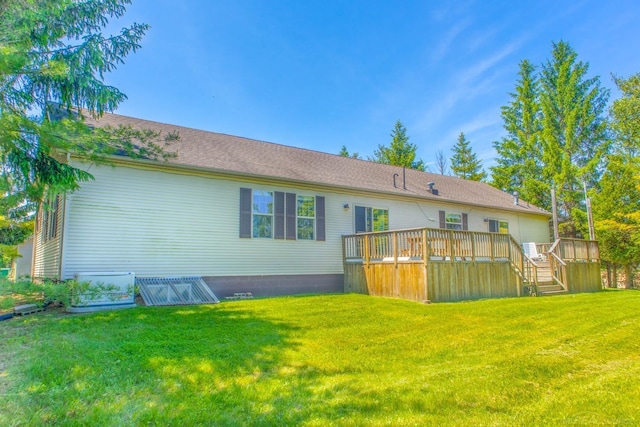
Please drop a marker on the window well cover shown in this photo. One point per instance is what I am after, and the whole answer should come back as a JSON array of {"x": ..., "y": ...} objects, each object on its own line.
[{"x": 175, "y": 291}]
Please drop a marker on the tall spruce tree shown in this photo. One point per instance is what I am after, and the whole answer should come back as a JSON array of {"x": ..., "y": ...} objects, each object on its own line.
[
  {"x": 400, "y": 152},
  {"x": 574, "y": 132},
  {"x": 464, "y": 162},
  {"x": 519, "y": 160},
  {"x": 345, "y": 153},
  {"x": 53, "y": 59}
]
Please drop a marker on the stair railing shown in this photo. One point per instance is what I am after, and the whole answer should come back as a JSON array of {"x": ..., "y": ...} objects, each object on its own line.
[
  {"x": 524, "y": 266},
  {"x": 557, "y": 265}
]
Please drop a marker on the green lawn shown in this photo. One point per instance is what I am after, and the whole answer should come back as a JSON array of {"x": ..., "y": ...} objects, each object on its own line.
[{"x": 329, "y": 360}]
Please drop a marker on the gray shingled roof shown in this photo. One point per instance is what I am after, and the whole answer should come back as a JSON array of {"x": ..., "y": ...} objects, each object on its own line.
[{"x": 242, "y": 156}]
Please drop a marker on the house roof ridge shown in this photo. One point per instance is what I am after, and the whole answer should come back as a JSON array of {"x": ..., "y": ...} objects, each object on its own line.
[{"x": 222, "y": 152}]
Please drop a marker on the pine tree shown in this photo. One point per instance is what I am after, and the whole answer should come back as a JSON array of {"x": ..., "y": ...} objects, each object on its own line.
[
  {"x": 400, "y": 152},
  {"x": 464, "y": 162},
  {"x": 519, "y": 161},
  {"x": 345, "y": 153},
  {"x": 54, "y": 58},
  {"x": 574, "y": 138}
]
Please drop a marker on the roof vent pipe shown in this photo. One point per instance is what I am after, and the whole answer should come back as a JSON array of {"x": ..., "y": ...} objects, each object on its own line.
[
  {"x": 431, "y": 189},
  {"x": 404, "y": 178},
  {"x": 516, "y": 196},
  {"x": 394, "y": 180}
]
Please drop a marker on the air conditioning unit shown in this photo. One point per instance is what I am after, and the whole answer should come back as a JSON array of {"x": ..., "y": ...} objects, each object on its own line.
[{"x": 107, "y": 290}]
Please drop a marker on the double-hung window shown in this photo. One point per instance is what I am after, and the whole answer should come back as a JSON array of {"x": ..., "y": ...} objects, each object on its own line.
[
  {"x": 498, "y": 226},
  {"x": 50, "y": 218},
  {"x": 281, "y": 215},
  {"x": 453, "y": 221},
  {"x": 371, "y": 219},
  {"x": 262, "y": 214},
  {"x": 306, "y": 221}
]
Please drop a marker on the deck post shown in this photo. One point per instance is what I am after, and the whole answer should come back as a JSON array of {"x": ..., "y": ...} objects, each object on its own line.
[
  {"x": 473, "y": 246},
  {"x": 452, "y": 249},
  {"x": 492, "y": 245},
  {"x": 425, "y": 257},
  {"x": 395, "y": 248},
  {"x": 366, "y": 250}
]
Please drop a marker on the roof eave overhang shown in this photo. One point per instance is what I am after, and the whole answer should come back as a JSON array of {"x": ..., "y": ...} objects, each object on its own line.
[{"x": 155, "y": 164}]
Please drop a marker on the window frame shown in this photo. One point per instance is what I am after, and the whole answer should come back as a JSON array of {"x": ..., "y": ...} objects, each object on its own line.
[
  {"x": 49, "y": 227},
  {"x": 268, "y": 215},
  {"x": 371, "y": 216},
  {"x": 498, "y": 223},
  {"x": 312, "y": 235},
  {"x": 453, "y": 225}
]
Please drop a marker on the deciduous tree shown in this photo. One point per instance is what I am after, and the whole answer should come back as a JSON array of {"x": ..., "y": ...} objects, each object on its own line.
[
  {"x": 442, "y": 163},
  {"x": 617, "y": 203}
]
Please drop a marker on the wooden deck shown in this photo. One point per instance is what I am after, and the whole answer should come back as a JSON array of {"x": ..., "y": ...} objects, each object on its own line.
[{"x": 426, "y": 264}]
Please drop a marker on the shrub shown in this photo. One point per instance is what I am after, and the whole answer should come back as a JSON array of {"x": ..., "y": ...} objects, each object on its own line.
[{"x": 67, "y": 292}]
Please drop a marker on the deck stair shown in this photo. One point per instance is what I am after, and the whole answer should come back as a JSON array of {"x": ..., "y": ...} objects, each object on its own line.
[{"x": 546, "y": 284}]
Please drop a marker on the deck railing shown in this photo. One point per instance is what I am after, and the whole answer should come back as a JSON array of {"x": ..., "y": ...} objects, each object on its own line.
[
  {"x": 391, "y": 257},
  {"x": 435, "y": 244}
]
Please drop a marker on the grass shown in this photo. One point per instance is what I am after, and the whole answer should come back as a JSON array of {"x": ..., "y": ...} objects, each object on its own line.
[{"x": 345, "y": 360}]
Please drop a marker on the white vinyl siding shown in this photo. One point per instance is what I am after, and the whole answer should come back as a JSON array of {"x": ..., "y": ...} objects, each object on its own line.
[
  {"x": 48, "y": 239},
  {"x": 156, "y": 223}
]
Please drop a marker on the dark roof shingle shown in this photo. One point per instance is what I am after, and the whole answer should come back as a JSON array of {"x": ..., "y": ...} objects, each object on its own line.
[{"x": 242, "y": 156}]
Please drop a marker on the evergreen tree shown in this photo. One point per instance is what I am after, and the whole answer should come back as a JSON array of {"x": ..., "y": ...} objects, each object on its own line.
[
  {"x": 53, "y": 58},
  {"x": 519, "y": 161},
  {"x": 574, "y": 131},
  {"x": 400, "y": 152},
  {"x": 345, "y": 153},
  {"x": 464, "y": 162}
]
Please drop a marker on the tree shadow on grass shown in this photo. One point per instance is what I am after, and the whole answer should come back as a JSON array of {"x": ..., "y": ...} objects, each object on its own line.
[{"x": 200, "y": 365}]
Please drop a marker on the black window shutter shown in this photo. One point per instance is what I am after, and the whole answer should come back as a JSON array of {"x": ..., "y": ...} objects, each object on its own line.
[
  {"x": 361, "y": 219},
  {"x": 278, "y": 215},
  {"x": 443, "y": 220},
  {"x": 465, "y": 221},
  {"x": 320, "y": 230},
  {"x": 245, "y": 212},
  {"x": 291, "y": 215}
]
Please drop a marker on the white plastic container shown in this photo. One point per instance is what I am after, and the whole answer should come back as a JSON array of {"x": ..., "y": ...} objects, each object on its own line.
[{"x": 120, "y": 295}]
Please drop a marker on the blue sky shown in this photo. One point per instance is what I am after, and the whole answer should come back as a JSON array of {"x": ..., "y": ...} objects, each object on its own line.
[{"x": 322, "y": 74}]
